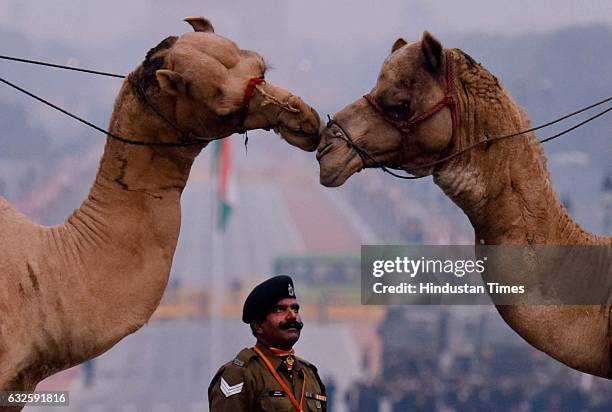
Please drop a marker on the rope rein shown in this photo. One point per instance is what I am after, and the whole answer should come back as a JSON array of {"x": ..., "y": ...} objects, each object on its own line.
[
  {"x": 60, "y": 66},
  {"x": 448, "y": 100},
  {"x": 188, "y": 138},
  {"x": 269, "y": 99},
  {"x": 100, "y": 129}
]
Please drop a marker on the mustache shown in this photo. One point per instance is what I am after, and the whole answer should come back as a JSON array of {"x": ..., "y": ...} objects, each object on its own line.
[{"x": 291, "y": 324}]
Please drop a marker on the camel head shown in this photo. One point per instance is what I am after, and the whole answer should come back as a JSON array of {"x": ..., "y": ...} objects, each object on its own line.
[
  {"x": 208, "y": 87},
  {"x": 404, "y": 122}
]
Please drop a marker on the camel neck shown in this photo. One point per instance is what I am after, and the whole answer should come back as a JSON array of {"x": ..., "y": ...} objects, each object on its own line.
[
  {"x": 116, "y": 250},
  {"x": 137, "y": 188},
  {"x": 149, "y": 170},
  {"x": 504, "y": 188},
  {"x": 508, "y": 199}
]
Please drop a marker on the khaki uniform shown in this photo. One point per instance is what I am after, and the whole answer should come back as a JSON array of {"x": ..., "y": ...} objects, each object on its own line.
[{"x": 246, "y": 384}]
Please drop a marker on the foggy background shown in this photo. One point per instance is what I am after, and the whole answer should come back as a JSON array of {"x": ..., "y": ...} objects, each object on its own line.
[{"x": 553, "y": 59}]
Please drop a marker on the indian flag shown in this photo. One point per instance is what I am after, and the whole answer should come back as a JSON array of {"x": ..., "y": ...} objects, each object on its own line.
[{"x": 222, "y": 168}]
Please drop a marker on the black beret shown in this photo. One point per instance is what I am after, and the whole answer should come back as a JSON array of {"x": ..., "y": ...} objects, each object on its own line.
[{"x": 265, "y": 295}]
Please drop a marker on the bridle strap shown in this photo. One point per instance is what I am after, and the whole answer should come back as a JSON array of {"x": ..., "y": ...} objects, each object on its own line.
[
  {"x": 449, "y": 100},
  {"x": 253, "y": 85},
  {"x": 249, "y": 92},
  {"x": 365, "y": 156}
]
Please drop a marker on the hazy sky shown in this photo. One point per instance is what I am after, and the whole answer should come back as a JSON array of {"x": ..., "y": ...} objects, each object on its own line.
[
  {"x": 114, "y": 35},
  {"x": 94, "y": 22}
]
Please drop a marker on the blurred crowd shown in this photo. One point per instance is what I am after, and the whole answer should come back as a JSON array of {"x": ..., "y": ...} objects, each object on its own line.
[
  {"x": 421, "y": 387},
  {"x": 437, "y": 377}
]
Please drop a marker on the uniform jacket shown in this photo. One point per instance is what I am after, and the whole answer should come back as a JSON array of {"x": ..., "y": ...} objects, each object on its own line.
[{"x": 246, "y": 385}]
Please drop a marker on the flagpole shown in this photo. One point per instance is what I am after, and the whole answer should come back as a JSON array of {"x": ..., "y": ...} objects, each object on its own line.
[{"x": 216, "y": 273}]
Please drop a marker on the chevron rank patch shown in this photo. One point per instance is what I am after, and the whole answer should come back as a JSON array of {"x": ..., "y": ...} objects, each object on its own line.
[{"x": 229, "y": 390}]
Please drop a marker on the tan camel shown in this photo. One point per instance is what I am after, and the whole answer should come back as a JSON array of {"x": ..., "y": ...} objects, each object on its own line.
[
  {"x": 69, "y": 293},
  {"x": 503, "y": 187}
]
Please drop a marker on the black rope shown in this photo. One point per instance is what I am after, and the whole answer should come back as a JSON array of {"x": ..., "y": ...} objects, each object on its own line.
[
  {"x": 576, "y": 126},
  {"x": 362, "y": 153},
  {"x": 487, "y": 140},
  {"x": 144, "y": 96},
  {"x": 567, "y": 116},
  {"x": 196, "y": 141},
  {"x": 193, "y": 140},
  {"x": 59, "y": 66}
]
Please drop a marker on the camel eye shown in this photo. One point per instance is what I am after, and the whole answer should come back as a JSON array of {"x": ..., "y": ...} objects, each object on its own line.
[{"x": 399, "y": 111}]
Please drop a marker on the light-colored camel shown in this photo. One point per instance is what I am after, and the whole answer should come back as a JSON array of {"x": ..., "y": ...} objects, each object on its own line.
[
  {"x": 428, "y": 103},
  {"x": 69, "y": 293}
]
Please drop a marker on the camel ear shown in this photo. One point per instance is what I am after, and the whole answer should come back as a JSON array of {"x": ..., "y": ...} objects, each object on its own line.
[
  {"x": 171, "y": 82},
  {"x": 399, "y": 43},
  {"x": 200, "y": 24},
  {"x": 432, "y": 49}
]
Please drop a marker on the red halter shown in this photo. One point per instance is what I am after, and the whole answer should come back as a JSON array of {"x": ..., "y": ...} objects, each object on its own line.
[
  {"x": 450, "y": 100},
  {"x": 249, "y": 92}
]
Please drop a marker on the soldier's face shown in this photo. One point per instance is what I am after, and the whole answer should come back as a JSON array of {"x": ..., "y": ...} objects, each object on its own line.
[{"x": 281, "y": 327}]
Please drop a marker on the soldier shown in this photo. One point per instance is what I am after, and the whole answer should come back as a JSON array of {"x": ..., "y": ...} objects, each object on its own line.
[{"x": 268, "y": 376}]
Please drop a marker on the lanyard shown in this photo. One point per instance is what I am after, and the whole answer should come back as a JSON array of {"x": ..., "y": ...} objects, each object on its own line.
[{"x": 281, "y": 382}]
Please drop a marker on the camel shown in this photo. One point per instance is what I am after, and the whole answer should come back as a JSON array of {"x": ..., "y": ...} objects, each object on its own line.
[
  {"x": 430, "y": 103},
  {"x": 69, "y": 293}
]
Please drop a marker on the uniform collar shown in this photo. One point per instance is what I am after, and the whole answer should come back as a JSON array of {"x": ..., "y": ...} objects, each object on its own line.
[{"x": 275, "y": 360}]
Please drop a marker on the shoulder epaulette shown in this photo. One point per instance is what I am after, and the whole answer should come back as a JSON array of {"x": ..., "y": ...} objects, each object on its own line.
[
  {"x": 305, "y": 362},
  {"x": 243, "y": 357},
  {"x": 241, "y": 360}
]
